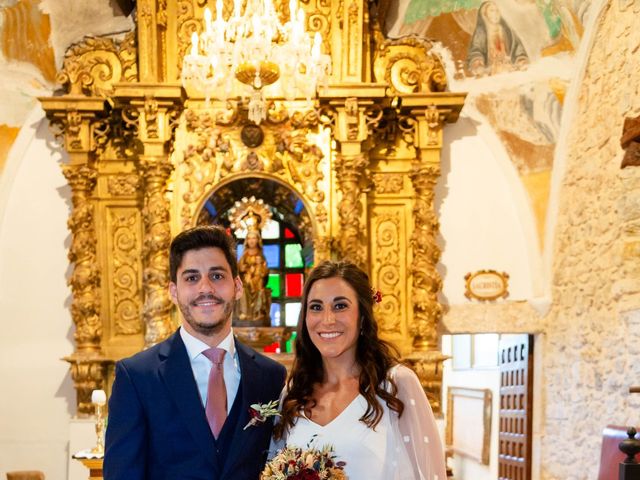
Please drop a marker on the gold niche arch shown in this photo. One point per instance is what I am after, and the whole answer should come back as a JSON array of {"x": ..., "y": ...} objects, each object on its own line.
[{"x": 143, "y": 153}]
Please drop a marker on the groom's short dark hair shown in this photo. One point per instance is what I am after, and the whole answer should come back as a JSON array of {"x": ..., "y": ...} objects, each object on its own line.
[{"x": 203, "y": 236}]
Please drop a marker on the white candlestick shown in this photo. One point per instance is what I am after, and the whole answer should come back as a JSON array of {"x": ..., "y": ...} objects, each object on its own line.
[{"x": 98, "y": 397}]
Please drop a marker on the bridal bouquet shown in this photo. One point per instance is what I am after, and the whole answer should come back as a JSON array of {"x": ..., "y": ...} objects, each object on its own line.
[{"x": 294, "y": 463}]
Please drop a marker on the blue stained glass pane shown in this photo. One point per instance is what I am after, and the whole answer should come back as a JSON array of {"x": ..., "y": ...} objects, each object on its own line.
[
  {"x": 298, "y": 208},
  {"x": 272, "y": 254},
  {"x": 292, "y": 311},
  {"x": 211, "y": 209},
  {"x": 275, "y": 315},
  {"x": 240, "y": 250}
]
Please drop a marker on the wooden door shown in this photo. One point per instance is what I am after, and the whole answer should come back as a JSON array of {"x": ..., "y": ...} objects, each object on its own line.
[{"x": 516, "y": 400}]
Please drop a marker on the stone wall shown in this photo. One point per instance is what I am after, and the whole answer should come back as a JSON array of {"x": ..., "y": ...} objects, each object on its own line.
[{"x": 590, "y": 337}]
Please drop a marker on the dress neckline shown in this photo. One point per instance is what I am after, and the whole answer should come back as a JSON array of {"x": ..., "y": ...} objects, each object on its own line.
[{"x": 334, "y": 419}]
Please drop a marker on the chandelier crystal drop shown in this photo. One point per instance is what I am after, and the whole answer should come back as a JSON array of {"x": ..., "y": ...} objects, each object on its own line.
[{"x": 250, "y": 52}]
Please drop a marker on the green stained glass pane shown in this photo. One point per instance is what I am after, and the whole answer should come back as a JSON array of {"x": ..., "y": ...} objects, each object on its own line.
[
  {"x": 293, "y": 255},
  {"x": 274, "y": 284}
]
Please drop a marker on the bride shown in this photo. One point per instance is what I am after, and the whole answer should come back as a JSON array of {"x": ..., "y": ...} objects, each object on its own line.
[{"x": 348, "y": 390}]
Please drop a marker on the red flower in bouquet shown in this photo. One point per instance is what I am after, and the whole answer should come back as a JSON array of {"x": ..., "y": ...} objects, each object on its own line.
[{"x": 306, "y": 474}]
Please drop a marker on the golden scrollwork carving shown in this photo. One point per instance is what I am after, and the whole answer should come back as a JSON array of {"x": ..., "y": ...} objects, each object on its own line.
[
  {"x": 92, "y": 66},
  {"x": 123, "y": 185},
  {"x": 151, "y": 116},
  {"x": 287, "y": 153},
  {"x": 302, "y": 160},
  {"x": 386, "y": 270},
  {"x": 408, "y": 65},
  {"x": 155, "y": 250},
  {"x": 85, "y": 279},
  {"x": 426, "y": 254},
  {"x": 89, "y": 373},
  {"x": 388, "y": 182},
  {"x": 350, "y": 170},
  {"x": 126, "y": 282},
  {"x": 352, "y": 117}
]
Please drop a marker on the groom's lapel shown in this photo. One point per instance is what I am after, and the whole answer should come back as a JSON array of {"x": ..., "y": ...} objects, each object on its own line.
[
  {"x": 251, "y": 388},
  {"x": 177, "y": 375}
]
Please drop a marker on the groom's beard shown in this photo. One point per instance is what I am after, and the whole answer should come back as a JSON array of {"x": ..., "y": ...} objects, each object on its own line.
[{"x": 208, "y": 324}]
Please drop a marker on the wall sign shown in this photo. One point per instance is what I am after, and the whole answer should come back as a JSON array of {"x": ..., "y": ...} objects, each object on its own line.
[{"x": 486, "y": 285}]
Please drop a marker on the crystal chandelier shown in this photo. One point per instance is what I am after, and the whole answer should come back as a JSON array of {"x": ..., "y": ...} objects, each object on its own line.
[{"x": 256, "y": 50}]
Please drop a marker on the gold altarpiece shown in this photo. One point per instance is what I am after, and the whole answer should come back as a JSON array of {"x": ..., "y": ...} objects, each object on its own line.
[{"x": 144, "y": 156}]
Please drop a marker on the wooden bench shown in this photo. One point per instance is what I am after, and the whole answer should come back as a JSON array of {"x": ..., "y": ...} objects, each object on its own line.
[{"x": 610, "y": 455}]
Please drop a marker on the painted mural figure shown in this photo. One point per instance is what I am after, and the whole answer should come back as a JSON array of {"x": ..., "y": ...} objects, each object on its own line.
[
  {"x": 255, "y": 302},
  {"x": 495, "y": 47}
]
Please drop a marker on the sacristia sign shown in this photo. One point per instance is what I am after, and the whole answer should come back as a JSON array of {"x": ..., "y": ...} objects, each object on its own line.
[{"x": 486, "y": 285}]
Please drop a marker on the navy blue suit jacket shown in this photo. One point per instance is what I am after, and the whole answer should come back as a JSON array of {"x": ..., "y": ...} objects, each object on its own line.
[{"x": 157, "y": 428}]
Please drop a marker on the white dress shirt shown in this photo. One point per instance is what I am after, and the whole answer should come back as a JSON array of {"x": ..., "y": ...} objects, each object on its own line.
[{"x": 201, "y": 365}]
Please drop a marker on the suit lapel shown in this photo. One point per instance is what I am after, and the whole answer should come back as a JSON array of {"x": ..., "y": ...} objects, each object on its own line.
[
  {"x": 250, "y": 379},
  {"x": 177, "y": 375}
]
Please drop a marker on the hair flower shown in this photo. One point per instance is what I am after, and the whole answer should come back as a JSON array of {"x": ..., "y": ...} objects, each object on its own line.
[{"x": 377, "y": 296}]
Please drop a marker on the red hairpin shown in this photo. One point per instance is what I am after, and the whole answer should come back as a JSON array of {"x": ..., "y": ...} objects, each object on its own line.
[{"x": 377, "y": 296}]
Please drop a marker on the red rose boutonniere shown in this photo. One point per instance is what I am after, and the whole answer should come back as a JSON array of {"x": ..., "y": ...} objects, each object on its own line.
[{"x": 260, "y": 412}]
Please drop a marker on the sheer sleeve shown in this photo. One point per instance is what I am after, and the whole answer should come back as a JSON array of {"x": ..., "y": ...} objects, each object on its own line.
[
  {"x": 416, "y": 429},
  {"x": 279, "y": 444}
]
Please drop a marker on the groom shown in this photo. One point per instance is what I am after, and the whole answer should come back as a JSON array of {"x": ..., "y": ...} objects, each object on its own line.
[{"x": 178, "y": 410}]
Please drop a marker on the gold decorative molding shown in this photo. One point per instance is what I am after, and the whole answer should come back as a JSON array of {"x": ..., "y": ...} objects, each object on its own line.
[
  {"x": 94, "y": 65},
  {"x": 88, "y": 373},
  {"x": 388, "y": 182},
  {"x": 126, "y": 278},
  {"x": 350, "y": 171},
  {"x": 123, "y": 185},
  {"x": 386, "y": 269},
  {"x": 85, "y": 279},
  {"x": 426, "y": 254},
  {"x": 155, "y": 250},
  {"x": 408, "y": 65}
]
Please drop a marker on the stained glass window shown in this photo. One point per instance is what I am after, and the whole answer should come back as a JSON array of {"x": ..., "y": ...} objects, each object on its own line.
[
  {"x": 271, "y": 230},
  {"x": 292, "y": 311},
  {"x": 272, "y": 254},
  {"x": 274, "y": 284},
  {"x": 286, "y": 262},
  {"x": 293, "y": 255},
  {"x": 275, "y": 314},
  {"x": 294, "y": 284}
]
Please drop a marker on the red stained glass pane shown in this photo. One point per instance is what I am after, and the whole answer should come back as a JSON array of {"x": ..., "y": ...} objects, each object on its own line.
[
  {"x": 294, "y": 284},
  {"x": 288, "y": 233}
]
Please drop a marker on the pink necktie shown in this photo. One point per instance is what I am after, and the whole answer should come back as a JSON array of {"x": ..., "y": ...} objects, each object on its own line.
[{"x": 216, "y": 408}]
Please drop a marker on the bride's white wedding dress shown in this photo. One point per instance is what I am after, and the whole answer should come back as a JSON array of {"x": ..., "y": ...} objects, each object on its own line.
[{"x": 405, "y": 448}]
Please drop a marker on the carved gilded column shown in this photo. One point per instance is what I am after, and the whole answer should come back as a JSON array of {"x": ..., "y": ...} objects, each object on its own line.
[
  {"x": 85, "y": 279},
  {"x": 78, "y": 121},
  {"x": 426, "y": 358},
  {"x": 349, "y": 174},
  {"x": 157, "y": 237},
  {"x": 351, "y": 162},
  {"x": 157, "y": 107}
]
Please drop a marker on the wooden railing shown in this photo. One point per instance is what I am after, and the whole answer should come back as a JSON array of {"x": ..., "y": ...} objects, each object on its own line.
[{"x": 629, "y": 468}]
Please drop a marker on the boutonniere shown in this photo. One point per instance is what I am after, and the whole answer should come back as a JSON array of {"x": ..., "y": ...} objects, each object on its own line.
[{"x": 260, "y": 412}]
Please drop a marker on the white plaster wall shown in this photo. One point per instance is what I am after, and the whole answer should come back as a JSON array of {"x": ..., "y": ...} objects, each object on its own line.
[
  {"x": 486, "y": 221},
  {"x": 37, "y": 393}
]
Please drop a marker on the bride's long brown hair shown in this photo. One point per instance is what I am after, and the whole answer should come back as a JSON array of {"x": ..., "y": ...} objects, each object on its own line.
[{"x": 374, "y": 356}]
